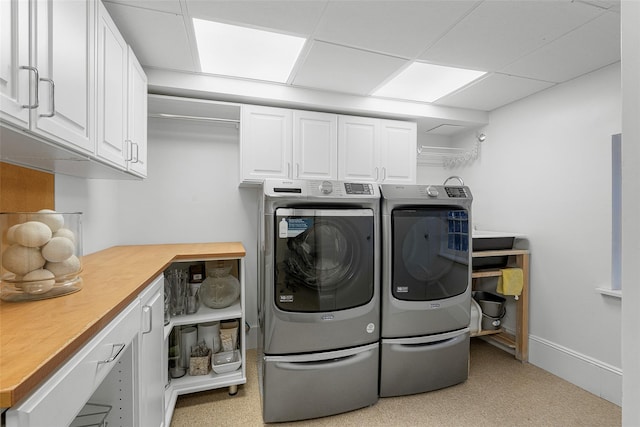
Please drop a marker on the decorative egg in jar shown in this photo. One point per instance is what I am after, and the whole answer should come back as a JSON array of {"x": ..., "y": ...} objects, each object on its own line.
[
  {"x": 41, "y": 254},
  {"x": 220, "y": 289}
]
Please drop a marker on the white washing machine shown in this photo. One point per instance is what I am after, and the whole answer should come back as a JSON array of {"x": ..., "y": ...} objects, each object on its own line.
[
  {"x": 426, "y": 287},
  {"x": 318, "y": 299}
]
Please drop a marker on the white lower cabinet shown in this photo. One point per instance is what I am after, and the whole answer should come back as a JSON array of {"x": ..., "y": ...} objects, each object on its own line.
[
  {"x": 212, "y": 380},
  {"x": 116, "y": 378},
  {"x": 101, "y": 373},
  {"x": 120, "y": 377},
  {"x": 151, "y": 365}
]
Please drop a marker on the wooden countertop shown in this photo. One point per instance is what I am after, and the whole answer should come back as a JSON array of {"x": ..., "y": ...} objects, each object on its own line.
[{"x": 39, "y": 336}]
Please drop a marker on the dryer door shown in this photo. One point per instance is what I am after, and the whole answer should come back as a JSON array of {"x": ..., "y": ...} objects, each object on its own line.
[
  {"x": 324, "y": 259},
  {"x": 430, "y": 253}
]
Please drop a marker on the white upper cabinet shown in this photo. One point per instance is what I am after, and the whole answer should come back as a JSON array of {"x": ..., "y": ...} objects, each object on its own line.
[
  {"x": 112, "y": 91},
  {"x": 47, "y": 69},
  {"x": 315, "y": 145},
  {"x": 68, "y": 85},
  {"x": 359, "y": 153},
  {"x": 122, "y": 101},
  {"x": 294, "y": 144},
  {"x": 398, "y": 152},
  {"x": 63, "y": 53},
  {"x": 266, "y": 143},
  {"x": 14, "y": 62},
  {"x": 376, "y": 150},
  {"x": 136, "y": 117},
  {"x": 283, "y": 143}
]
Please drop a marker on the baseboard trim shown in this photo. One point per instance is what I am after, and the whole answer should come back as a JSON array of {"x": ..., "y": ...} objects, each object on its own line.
[{"x": 590, "y": 374}]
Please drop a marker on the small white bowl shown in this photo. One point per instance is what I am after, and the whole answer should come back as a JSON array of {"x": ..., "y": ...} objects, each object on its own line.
[{"x": 226, "y": 361}]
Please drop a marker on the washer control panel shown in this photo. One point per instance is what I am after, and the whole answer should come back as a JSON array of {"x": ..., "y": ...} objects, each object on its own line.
[{"x": 358, "y": 188}]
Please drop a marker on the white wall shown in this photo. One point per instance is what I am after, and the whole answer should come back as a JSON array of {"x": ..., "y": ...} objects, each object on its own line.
[
  {"x": 545, "y": 171},
  {"x": 97, "y": 199},
  {"x": 191, "y": 194}
]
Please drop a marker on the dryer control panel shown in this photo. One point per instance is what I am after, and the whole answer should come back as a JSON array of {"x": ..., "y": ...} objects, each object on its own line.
[{"x": 456, "y": 192}]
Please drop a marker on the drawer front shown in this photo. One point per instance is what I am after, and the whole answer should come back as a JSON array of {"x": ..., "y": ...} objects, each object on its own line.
[
  {"x": 416, "y": 365},
  {"x": 319, "y": 384},
  {"x": 60, "y": 398}
]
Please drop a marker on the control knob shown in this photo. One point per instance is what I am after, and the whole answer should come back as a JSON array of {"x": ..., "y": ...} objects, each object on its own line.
[
  {"x": 326, "y": 187},
  {"x": 432, "y": 191}
]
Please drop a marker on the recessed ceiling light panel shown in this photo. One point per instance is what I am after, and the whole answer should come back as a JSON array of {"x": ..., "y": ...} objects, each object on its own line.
[
  {"x": 427, "y": 82},
  {"x": 236, "y": 51}
]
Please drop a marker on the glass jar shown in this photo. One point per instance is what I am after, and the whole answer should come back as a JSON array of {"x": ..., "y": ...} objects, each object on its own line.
[
  {"x": 41, "y": 254},
  {"x": 220, "y": 289}
]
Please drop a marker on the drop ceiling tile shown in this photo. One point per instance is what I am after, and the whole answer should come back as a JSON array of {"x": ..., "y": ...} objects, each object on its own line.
[
  {"x": 343, "y": 69},
  {"x": 497, "y": 33},
  {"x": 170, "y": 6},
  {"x": 492, "y": 92},
  {"x": 291, "y": 17},
  {"x": 401, "y": 28},
  {"x": 592, "y": 46},
  {"x": 159, "y": 39}
]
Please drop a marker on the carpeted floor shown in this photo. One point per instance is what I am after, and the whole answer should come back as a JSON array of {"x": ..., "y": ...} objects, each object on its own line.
[{"x": 500, "y": 391}]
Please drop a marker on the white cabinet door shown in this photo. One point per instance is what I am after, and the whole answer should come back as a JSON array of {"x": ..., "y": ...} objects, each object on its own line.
[
  {"x": 137, "y": 117},
  {"x": 59, "y": 399},
  {"x": 266, "y": 143},
  {"x": 315, "y": 145},
  {"x": 14, "y": 54},
  {"x": 398, "y": 149},
  {"x": 151, "y": 347},
  {"x": 63, "y": 53},
  {"x": 358, "y": 149},
  {"x": 112, "y": 91}
]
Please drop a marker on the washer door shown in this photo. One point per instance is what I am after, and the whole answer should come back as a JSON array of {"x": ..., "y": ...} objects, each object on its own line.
[
  {"x": 430, "y": 253},
  {"x": 324, "y": 259}
]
